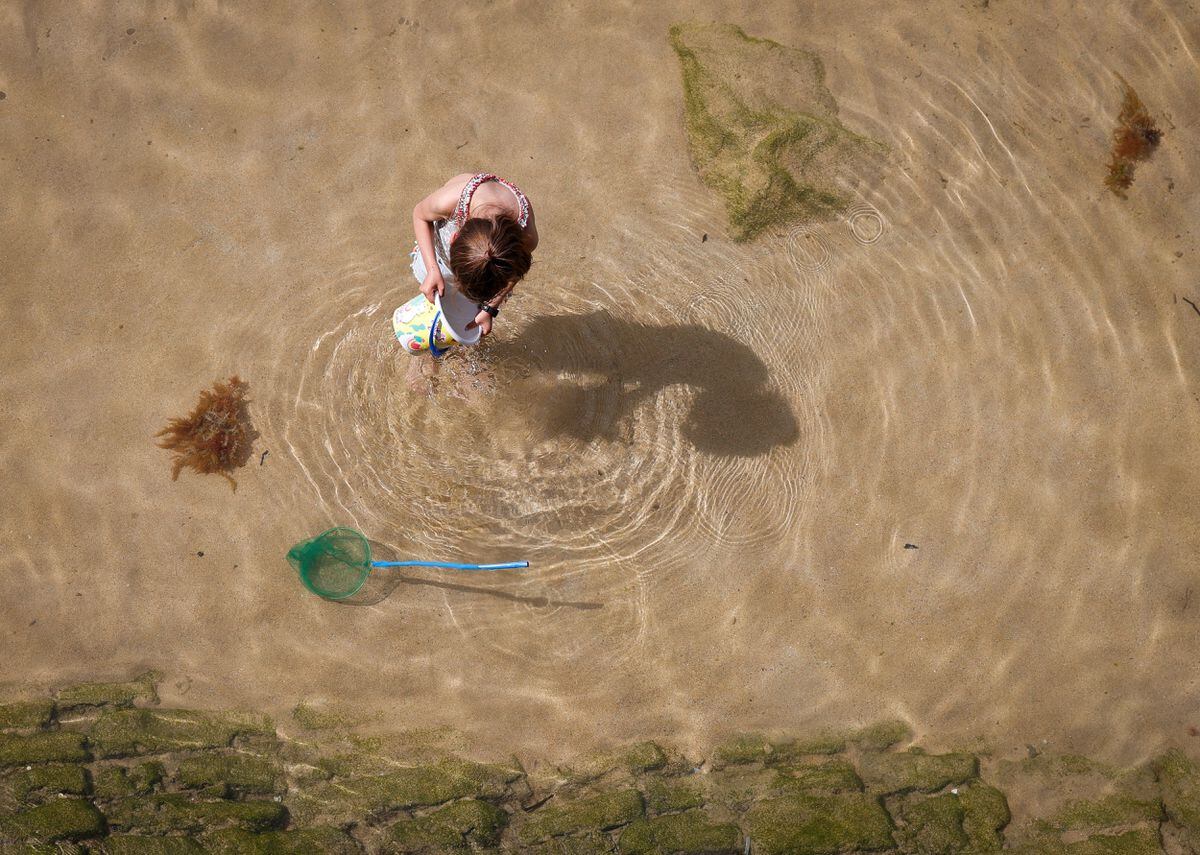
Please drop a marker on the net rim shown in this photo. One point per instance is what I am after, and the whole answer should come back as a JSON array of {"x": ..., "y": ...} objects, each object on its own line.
[{"x": 366, "y": 572}]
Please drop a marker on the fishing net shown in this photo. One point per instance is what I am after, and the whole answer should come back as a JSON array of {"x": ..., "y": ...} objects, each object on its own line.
[{"x": 334, "y": 564}]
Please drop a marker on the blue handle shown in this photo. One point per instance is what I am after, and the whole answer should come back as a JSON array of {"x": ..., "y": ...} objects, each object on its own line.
[{"x": 513, "y": 565}]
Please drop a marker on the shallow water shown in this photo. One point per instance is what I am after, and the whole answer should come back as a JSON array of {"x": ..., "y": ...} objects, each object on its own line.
[{"x": 713, "y": 454}]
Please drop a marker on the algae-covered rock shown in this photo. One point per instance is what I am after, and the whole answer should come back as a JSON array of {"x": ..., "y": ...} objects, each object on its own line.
[
  {"x": 932, "y": 826},
  {"x": 644, "y": 757},
  {"x": 592, "y": 843},
  {"x": 40, "y": 782},
  {"x": 665, "y": 795},
  {"x": 1109, "y": 812},
  {"x": 692, "y": 833},
  {"x": 175, "y": 812},
  {"x": 405, "y": 787},
  {"x": 138, "y": 844},
  {"x": 459, "y": 825},
  {"x": 121, "y": 733},
  {"x": 111, "y": 694},
  {"x": 797, "y": 750},
  {"x": 835, "y": 776},
  {"x": 60, "y": 819},
  {"x": 1179, "y": 783},
  {"x": 25, "y": 714},
  {"x": 743, "y": 748},
  {"x": 881, "y": 736},
  {"x": 48, "y": 747},
  {"x": 804, "y": 824},
  {"x": 985, "y": 813},
  {"x": 594, "y": 813},
  {"x": 1142, "y": 841},
  {"x": 314, "y": 718},
  {"x": 307, "y": 841},
  {"x": 762, "y": 128},
  {"x": 111, "y": 782},
  {"x": 239, "y": 773},
  {"x": 912, "y": 770}
]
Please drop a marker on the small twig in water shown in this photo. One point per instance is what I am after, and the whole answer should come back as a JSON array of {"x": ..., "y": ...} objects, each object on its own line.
[
  {"x": 1187, "y": 599},
  {"x": 1193, "y": 305},
  {"x": 263, "y": 457}
]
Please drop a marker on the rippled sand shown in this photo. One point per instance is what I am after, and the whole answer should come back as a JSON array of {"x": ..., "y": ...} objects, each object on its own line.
[{"x": 713, "y": 454}]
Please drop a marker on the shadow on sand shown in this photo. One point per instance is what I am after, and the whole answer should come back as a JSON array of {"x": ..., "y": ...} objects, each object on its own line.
[{"x": 735, "y": 412}]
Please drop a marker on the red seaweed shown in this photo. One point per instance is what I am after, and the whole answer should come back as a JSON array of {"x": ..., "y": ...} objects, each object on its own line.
[
  {"x": 1134, "y": 139},
  {"x": 216, "y": 436}
]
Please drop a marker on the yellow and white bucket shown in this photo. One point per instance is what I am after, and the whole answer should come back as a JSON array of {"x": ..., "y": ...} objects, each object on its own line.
[{"x": 421, "y": 325}]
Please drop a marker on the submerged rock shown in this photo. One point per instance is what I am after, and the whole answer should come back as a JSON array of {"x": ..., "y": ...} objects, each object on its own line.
[{"x": 763, "y": 129}]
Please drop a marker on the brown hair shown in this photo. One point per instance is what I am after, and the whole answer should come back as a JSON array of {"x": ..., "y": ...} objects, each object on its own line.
[{"x": 489, "y": 255}]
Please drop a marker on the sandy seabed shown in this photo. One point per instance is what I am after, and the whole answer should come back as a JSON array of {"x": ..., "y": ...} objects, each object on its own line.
[{"x": 988, "y": 356}]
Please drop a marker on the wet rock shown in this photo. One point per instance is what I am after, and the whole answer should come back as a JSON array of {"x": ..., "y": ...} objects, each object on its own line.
[
  {"x": 932, "y": 826},
  {"x": 137, "y": 844},
  {"x": 462, "y": 824},
  {"x": 692, "y": 833},
  {"x": 1118, "y": 810},
  {"x": 308, "y": 841},
  {"x": 418, "y": 786},
  {"x": 762, "y": 128},
  {"x": 594, "y": 813},
  {"x": 41, "y": 783},
  {"x": 237, "y": 773},
  {"x": 122, "y": 733},
  {"x": 25, "y": 714},
  {"x": 61, "y": 819},
  {"x": 884, "y": 735},
  {"x": 1179, "y": 781},
  {"x": 985, "y": 813},
  {"x": 741, "y": 749},
  {"x": 175, "y": 812},
  {"x": 833, "y": 777},
  {"x": 312, "y": 718},
  {"x": 912, "y": 770},
  {"x": 784, "y": 753},
  {"x": 644, "y": 757},
  {"x": 1137, "y": 842},
  {"x": 592, "y": 843},
  {"x": 111, "y": 694},
  {"x": 817, "y": 825},
  {"x": 50, "y": 747},
  {"x": 667, "y": 796},
  {"x": 112, "y": 782}
]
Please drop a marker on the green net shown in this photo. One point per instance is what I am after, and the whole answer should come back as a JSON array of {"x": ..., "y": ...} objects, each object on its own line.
[{"x": 334, "y": 564}]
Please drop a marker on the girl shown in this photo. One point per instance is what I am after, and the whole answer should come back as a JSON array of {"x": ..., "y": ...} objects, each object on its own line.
[{"x": 475, "y": 233}]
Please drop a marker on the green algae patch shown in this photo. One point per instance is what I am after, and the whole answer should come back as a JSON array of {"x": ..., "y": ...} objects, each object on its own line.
[
  {"x": 692, "y": 833},
  {"x": 314, "y": 718},
  {"x": 1106, "y": 813},
  {"x": 306, "y": 841},
  {"x": 49, "y": 747},
  {"x": 25, "y": 714},
  {"x": 39, "y": 782},
  {"x": 113, "y": 782},
  {"x": 60, "y": 819},
  {"x": 644, "y": 757},
  {"x": 819, "y": 825},
  {"x": 111, "y": 694},
  {"x": 592, "y": 843},
  {"x": 762, "y": 128},
  {"x": 1137, "y": 842},
  {"x": 122, "y": 733},
  {"x": 595, "y": 813},
  {"x": 138, "y": 844},
  {"x": 985, "y": 813},
  {"x": 459, "y": 825},
  {"x": 836, "y": 776},
  {"x": 1179, "y": 783},
  {"x": 799, "y": 750},
  {"x": 667, "y": 795},
  {"x": 239, "y": 773},
  {"x": 175, "y": 812},
  {"x": 881, "y": 736},
  {"x": 416, "y": 786},
  {"x": 741, "y": 749},
  {"x": 912, "y": 770},
  {"x": 932, "y": 826}
]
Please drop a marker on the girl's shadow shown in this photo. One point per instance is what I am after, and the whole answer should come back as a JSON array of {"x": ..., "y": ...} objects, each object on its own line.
[{"x": 735, "y": 413}]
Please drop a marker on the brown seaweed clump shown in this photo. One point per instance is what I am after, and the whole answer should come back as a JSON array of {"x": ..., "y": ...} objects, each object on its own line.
[
  {"x": 216, "y": 436},
  {"x": 1135, "y": 138}
]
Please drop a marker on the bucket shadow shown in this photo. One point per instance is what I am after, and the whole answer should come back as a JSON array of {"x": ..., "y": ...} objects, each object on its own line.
[
  {"x": 735, "y": 413},
  {"x": 384, "y": 581}
]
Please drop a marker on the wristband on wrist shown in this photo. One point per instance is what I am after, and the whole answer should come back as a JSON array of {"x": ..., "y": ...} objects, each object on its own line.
[{"x": 494, "y": 311}]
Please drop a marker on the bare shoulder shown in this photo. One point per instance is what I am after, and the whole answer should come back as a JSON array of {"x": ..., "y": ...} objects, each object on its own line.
[
  {"x": 531, "y": 232},
  {"x": 441, "y": 202}
]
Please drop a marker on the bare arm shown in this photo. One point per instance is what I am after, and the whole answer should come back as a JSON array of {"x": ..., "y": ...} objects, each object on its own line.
[{"x": 438, "y": 205}]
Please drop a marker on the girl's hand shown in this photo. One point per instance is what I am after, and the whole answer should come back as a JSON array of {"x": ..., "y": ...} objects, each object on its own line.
[
  {"x": 433, "y": 284},
  {"x": 484, "y": 321}
]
